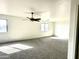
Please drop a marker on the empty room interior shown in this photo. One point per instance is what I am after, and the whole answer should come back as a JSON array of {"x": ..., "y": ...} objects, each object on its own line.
[{"x": 34, "y": 29}]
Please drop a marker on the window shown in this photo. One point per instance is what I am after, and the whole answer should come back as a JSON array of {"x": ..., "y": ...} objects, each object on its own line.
[
  {"x": 3, "y": 25},
  {"x": 44, "y": 27}
]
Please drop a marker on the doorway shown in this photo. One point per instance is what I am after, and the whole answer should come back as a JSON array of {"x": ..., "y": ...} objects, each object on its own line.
[{"x": 77, "y": 38}]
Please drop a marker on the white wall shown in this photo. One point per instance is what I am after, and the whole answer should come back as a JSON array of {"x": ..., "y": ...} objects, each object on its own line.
[
  {"x": 73, "y": 25},
  {"x": 62, "y": 30},
  {"x": 20, "y": 29},
  {"x": 3, "y": 7},
  {"x": 62, "y": 19}
]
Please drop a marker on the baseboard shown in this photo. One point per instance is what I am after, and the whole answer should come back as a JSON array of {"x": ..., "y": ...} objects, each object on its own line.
[{"x": 25, "y": 39}]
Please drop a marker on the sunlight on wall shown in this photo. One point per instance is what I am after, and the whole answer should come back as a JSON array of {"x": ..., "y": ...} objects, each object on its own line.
[{"x": 62, "y": 30}]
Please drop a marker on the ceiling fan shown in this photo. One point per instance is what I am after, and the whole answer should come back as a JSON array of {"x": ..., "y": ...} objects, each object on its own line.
[{"x": 32, "y": 17}]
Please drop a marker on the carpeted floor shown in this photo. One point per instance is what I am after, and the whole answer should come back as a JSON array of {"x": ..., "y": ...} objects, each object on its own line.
[{"x": 44, "y": 48}]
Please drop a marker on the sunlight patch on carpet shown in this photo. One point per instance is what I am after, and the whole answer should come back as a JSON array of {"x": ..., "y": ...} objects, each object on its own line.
[
  {"x": 8, "y": 50},
  {"x": 21, "y": 46}
]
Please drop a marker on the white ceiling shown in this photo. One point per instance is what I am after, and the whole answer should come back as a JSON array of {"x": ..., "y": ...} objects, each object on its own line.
[{"x": 21, "y": 7}]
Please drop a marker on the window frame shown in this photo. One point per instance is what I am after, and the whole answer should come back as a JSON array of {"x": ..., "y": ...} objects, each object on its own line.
[
  {"x": 6, "y": 25},
  {"x": 44, "y": 27}
]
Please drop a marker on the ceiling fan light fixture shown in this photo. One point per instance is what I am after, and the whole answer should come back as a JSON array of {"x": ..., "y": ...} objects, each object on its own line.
[{"x": 34, "y": 19}]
